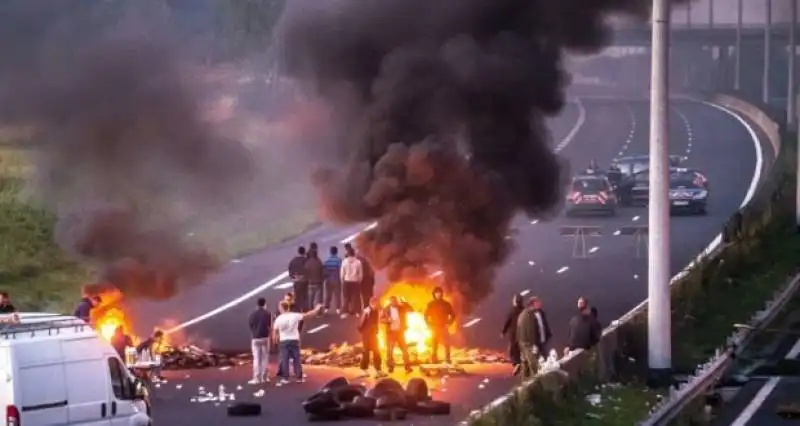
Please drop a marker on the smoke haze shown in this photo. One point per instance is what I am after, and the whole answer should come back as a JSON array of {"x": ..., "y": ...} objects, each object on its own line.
[
  {"x": 126, "y": 154},
  {"x": 443, "y": 107}
]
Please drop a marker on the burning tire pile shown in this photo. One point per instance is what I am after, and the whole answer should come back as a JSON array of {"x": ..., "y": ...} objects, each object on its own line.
[{"x": 387, "y": 400}]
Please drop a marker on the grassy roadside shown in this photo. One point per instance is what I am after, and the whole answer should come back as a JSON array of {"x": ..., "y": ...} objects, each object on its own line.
[
  {"x": 704, "y": 310},
  {"x": 703, "y": 318},
  {"x": 40, "y": 276}
]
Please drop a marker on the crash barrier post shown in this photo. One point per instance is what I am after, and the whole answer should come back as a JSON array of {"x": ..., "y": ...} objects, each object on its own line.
[
  {"x": 578, "y": 234},
  {"x": 626, "y": 338}
]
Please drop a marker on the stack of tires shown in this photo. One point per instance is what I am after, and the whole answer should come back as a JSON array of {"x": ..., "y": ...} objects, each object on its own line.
[{"x": 388, "y": 400}]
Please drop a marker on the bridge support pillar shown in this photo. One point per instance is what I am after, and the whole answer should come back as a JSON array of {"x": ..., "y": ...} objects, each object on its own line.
[{"x": 659, "y": 336}]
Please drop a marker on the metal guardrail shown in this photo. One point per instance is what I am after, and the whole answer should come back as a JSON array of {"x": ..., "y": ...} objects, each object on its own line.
[{"x": 710, "y": 373}]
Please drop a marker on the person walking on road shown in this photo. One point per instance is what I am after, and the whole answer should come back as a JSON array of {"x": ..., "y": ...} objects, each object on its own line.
[
  {"x": 286, "y": 332},
  {"x": 439, "y": 315},
  {"x": 533, "y": 333},
  {"x": 260, "y": 322},
  {"x": 351, "y": 276},
  {"x": 333, "y": 283},
  {"x": 315, "y": 273},
  {"x": 369, "y": 326},
  {"x": 297, "y": 273},
  {"x": 584, "y": 328},
  {"x": 395, "y": 317},
  {"x": 510, "y": 331}
]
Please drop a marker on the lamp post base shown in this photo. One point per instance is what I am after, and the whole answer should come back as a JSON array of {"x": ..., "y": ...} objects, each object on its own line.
[{"x": 659, "y": 378}]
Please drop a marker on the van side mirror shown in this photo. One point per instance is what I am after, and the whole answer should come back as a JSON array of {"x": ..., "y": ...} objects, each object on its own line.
[{"x": 138, "y": 390}]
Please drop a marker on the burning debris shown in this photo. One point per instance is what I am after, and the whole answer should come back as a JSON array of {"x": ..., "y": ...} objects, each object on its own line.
[
  {"x": 346, "y": 355},
  {"x": 193, "y": 358}
]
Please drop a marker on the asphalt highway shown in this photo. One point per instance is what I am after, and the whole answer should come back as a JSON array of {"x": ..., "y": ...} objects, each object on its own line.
[{"x": 613, "y": 277}]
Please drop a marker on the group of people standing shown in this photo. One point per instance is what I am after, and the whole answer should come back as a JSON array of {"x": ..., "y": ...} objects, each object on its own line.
[
  {"x": 529, "y": 334},
  {"x": 439, "y": 316},
  {"x": 344, "y": 285}
]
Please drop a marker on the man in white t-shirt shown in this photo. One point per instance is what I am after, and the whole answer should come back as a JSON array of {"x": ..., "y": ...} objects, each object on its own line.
[{"x": 286, "y": 332}]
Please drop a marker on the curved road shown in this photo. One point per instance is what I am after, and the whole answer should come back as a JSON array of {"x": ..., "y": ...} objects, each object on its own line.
[{"x": 613, "y": 278}]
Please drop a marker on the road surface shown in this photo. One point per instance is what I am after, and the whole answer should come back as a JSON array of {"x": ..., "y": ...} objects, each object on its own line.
[
  {"x": 757, "y": 402},
  {"x": 613, "y": 277}
]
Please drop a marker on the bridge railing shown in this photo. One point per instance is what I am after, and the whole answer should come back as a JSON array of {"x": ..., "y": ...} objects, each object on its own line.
[{"x": 623, "y": 346}]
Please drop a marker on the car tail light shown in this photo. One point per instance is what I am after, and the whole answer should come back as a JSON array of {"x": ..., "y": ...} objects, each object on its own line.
[{"x": 12, "y": 416}]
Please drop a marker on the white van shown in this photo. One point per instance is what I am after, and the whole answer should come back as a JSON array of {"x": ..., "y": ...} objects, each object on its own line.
[{"x": 56, "y": 370}]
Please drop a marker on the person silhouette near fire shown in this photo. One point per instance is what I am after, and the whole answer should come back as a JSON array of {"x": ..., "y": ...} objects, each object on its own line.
[
  {"x": 395, "y": 318},
  {"x": 439, "y": 315},
  {"x": 369, "y": 326}
]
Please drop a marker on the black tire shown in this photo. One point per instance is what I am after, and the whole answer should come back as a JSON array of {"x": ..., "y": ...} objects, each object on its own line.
[
  {"x": 391, "y": 414},
  {"x": 320, "y": 402},
  {"x": 329, "y": 415},
  {"x": 433, "y": 408},
  {"x": 335, "y": 383},
  {"x": 387, "y": 385},
  {"x": 244, "y": 409},
  {"x": 391, "y": 400},
  {"x": 348, "y": 393},
  {"x": 357, "y": 410},
  {"x": 365, "y": 400},
  {"x": 417, "y": 390}
]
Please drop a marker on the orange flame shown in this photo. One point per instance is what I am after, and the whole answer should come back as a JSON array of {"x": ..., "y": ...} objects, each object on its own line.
[
  {"x": 108, "y": 315},
  {"x": 418, "y": 334}
]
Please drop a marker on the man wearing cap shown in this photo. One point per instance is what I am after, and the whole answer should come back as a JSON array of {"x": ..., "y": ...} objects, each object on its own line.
[
  {"x": 533, "y": 333},
  {"x": 439, "y": 315}
]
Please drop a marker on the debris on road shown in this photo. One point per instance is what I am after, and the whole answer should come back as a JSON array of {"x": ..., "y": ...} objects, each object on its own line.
[{"x": 345, "y": 355}]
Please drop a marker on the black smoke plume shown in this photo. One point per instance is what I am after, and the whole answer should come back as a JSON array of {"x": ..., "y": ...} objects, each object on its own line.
[
  {"x": 443, "y": 104},
  {"x": 123, "y": 155}
]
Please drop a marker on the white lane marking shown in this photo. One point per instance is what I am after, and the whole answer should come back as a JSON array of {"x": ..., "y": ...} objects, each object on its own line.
[
  {"x": 751, "y": 191},
  {"x": 617, "y": 232},
  {"x": 562, "y": 269},
  {"x": 350, "y": 238},
  {"x": 758, "y": 400},
  {"x": 236, "y": 260},
  {"x": 534, "y": 222},
  {"x": 471, "y": 322},
  {"x": 635, "y": 218},
  {"x": 574, "y": 131},
  {"x": 531, "y": 263},
  {"x": 524, "y": 292},
  {"x": 284, "y": 286},
  {"x": 688, "y": 127},
  {"x": 711, "y": 247},
  {"x": 594, "y": 249},
  {"x": 317, "y": 329}
]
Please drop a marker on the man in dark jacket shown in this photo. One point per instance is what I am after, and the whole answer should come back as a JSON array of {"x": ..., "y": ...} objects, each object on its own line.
[
  {"x": 315, "y": 273},
  {"x": 333, "y": 283},
  {"x": 439, "y": 315},
  {"x": 533, "y": 333},
  {"x": 5, "y": 304},
  {"x": 121, "y": 341},
  {"x": 584, "y": 329},
  {"x": 260, "y": 323},
  {"x": 510, "y": 331},
  {"x": 395, "y": 316},
  {"x": 297, "y": 273},
  {"x": 369, "y": 327},
  {"x": 85, "y": 306}
]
